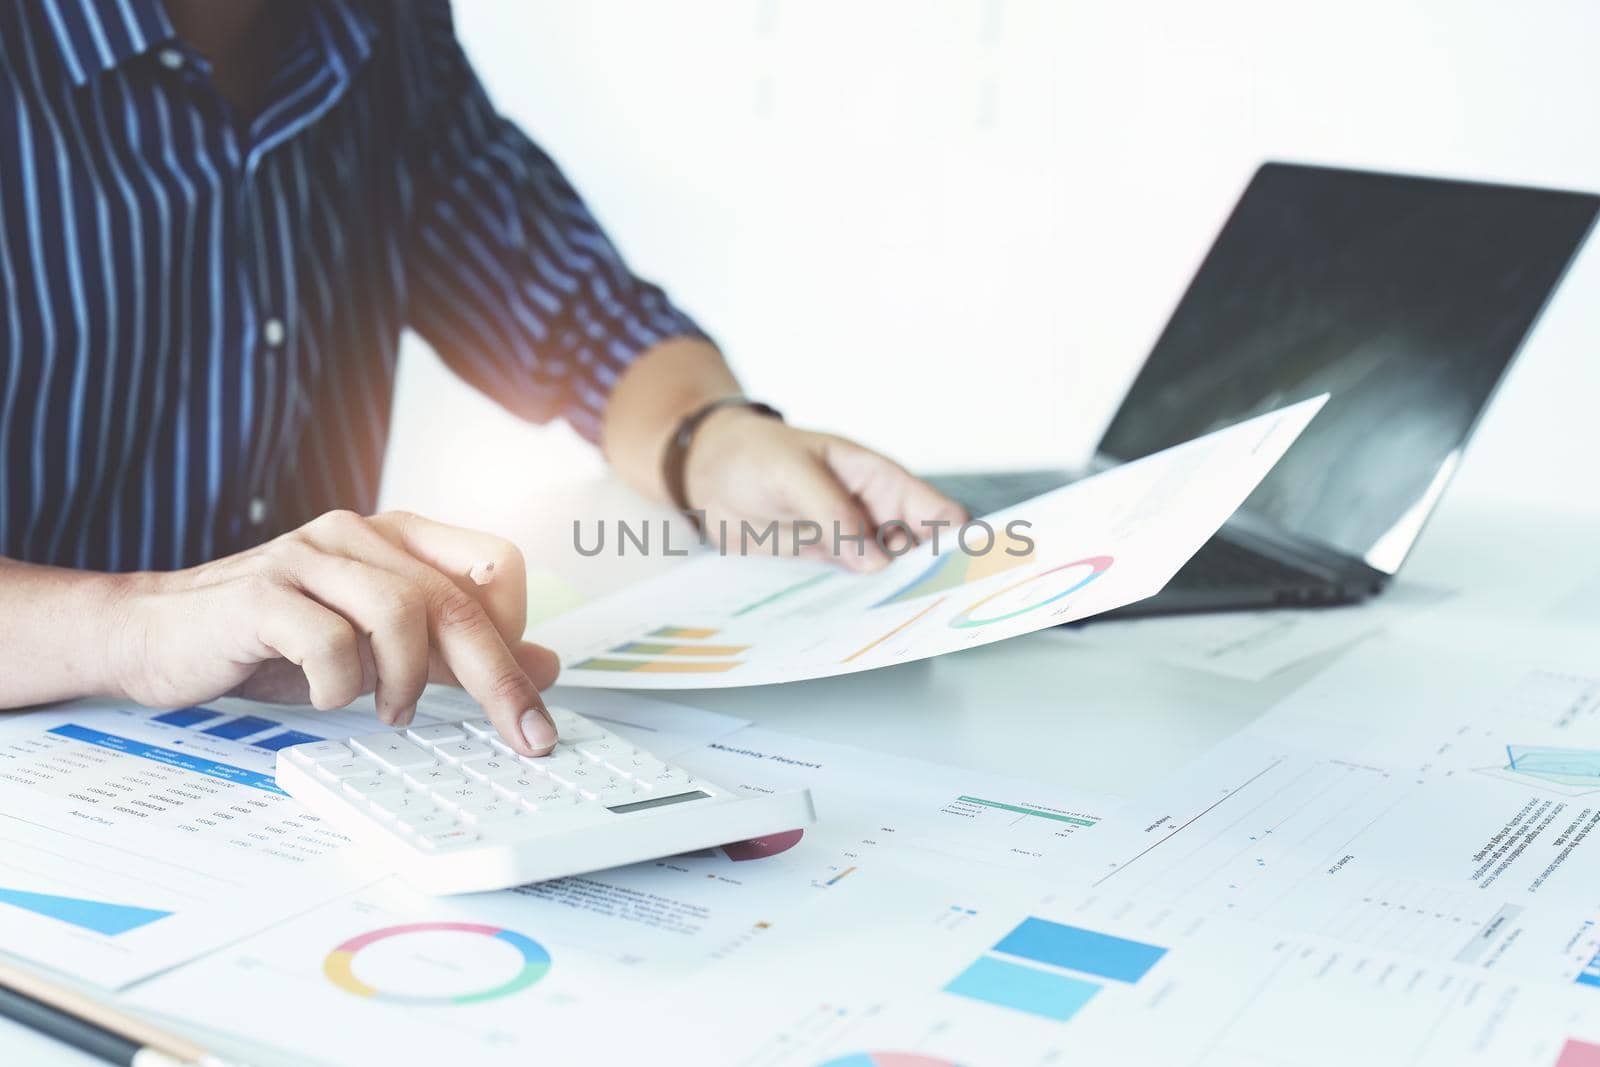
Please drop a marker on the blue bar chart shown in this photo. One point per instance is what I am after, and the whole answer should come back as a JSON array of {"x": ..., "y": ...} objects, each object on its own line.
[{"x": 1046, "y": 968}]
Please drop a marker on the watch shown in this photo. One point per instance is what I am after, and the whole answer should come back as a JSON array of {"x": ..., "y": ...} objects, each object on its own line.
[{"x": 674, "y": 462}]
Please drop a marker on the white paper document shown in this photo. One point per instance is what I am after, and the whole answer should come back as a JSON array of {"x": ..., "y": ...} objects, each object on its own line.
[
  {"x": 132, "y": 840},
  {"x": 1397, "y": 866},
  {"x": 1097, "y": 544},
  {"x": 591, "y": 968},
  {"x": 1254, "y": 645}
]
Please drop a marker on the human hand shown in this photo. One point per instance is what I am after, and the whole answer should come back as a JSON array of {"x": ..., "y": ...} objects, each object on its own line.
[
  {"x": 745, "y": 466},
  {"x": 344, "y": 605}
]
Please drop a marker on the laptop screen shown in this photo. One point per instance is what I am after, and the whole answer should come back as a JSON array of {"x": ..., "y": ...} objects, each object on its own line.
[{"x": 1404, "y": 298}]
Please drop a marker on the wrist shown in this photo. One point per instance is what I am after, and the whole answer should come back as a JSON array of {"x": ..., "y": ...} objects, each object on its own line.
[
  {"x": 695, "y": 439},
  {"x": 715, "y": 439},
  {"x": 118, "y": 600}
]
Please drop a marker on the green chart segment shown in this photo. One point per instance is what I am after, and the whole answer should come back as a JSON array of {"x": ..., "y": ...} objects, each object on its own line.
[
  {"x": 786, "y": 591},
  {"x": 1076, "y": 820}
]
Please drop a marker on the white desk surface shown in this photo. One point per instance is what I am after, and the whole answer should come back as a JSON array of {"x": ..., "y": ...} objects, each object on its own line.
[{"x": 1049, "y": 707}]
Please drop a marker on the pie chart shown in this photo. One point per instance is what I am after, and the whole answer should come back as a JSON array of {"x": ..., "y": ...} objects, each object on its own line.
[
  {"x": 1034, "y": 592},
  {"x": 437, "y": 963},
  {"x": 759, "y": 848},
  {"x": 959, "y": 567},
  {"x": 889, "y": 1059}
]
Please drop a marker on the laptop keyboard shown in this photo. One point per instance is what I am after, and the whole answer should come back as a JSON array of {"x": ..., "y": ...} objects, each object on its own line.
[{"x": 1222, "y": 564}]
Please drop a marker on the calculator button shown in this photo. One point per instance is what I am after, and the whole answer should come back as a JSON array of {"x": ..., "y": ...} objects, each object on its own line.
[
  {"x": 573, "y": 727},
  {"x": 535, "y": 794},
  {"x": 480, "y": 728},
  {"x": 499, "y": 811},
  {"x": 552, "y": 798},
  {"x": 426, "y": 821},
  {"x": 435, "y": 777},
  {"x": 635, "y": 765},
  {"x": 435, "y": 840},
  {"x": 320, "y": 752},
  {"x": 493, "y": 767},
  {"x": 466, "y": 795},
  {"x": 522, "y": 785},
  {"x": 604, "y": 748},
  {"x": 564, "y": 757},
  {"x": 396, "y": 805},
  {"x": 348, "y": 768},
  {"x": 393, "y": 750},
  {"x": 436, "y": 734},
  {"x": 670, "y": 778},
  {"x": 374, "y": 785},
  {"x": 610, "y": 791},
  {"x": 575, "y": 775},
  {"x": 458, "y": 751}
]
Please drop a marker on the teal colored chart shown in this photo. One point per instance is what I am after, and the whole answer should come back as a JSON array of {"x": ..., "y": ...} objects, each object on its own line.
[{"x": 1560, "y": 766}]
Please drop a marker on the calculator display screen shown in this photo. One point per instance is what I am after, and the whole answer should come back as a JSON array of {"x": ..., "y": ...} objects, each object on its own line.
[{"x": 659, "y": 802}]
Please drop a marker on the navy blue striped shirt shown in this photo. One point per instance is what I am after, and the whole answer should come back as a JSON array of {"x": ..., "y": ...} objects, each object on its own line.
[{"x": 199, "y": 313}]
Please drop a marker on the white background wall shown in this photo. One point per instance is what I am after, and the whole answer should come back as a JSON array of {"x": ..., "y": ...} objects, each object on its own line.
[{"x": 953, "y": 228}]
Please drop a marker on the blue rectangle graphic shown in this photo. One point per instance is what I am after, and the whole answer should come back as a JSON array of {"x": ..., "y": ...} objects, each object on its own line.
[
  {"x": 1011, "y": 985},
  {"x": 1078, "y": 949},
  {"x": 188, "y": 716},
  {"x": 284, "y": 740},
  {"x": 181, "y": 760},
  {"x": 243, "y": 726}
]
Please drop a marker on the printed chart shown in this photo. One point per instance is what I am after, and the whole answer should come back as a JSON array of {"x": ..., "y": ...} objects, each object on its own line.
[
  {"x": 1091, "y": 546},
  {"x": 437, "y": 963},
  {"x": 117, "y": 869}
]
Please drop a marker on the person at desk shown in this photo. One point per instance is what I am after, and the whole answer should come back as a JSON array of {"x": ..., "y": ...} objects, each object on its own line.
[{"x": 217, "y": 219}]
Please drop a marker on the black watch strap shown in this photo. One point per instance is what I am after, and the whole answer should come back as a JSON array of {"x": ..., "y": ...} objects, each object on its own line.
[{"x": 675, "y": 461}]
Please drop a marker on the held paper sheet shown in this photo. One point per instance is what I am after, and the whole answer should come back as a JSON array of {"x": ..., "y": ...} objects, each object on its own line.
[{"x": 1100, "y": 543}]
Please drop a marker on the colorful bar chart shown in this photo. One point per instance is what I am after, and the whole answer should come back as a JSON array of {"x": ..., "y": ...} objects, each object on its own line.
[
  {"x": 657, "y": 666},
  {"x": 689, "y": 633},
  {"x": 1077, "y": 949},
  {"x": 1022, "y": 988},
  {"x": 654, "y": 648}
]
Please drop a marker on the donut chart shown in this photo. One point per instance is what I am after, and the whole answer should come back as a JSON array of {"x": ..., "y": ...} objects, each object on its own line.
[
  {"x": 889, "y": 1059},
  {"x": 339, "y": 966},
  {"x": 1031, "y": 593}
]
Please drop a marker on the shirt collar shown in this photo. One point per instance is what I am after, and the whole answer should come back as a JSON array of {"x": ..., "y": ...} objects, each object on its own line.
[{"x": 95, "y": 36}]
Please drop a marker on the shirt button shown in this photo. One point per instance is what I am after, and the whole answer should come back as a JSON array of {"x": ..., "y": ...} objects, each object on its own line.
[
  {"x": 258, "y": 511},
  {"x": 171, "y": 58},
  {"x": 272, "y": 332}
]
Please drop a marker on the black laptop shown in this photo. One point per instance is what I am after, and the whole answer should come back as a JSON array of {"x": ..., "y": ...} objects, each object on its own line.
[{"x": 1405, "y": 298}]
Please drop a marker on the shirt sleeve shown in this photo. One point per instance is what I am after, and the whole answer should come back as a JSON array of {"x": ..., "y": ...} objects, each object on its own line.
[{"x": 511, "y": 279}]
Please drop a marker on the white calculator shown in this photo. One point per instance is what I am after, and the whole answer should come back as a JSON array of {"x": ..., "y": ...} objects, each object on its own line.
[{"x": 453, "y": 809}]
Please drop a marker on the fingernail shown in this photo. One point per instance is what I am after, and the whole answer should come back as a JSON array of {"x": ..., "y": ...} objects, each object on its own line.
[
  {"x": 482, "y": 573},
  {"x": 537, "y": 729}
]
